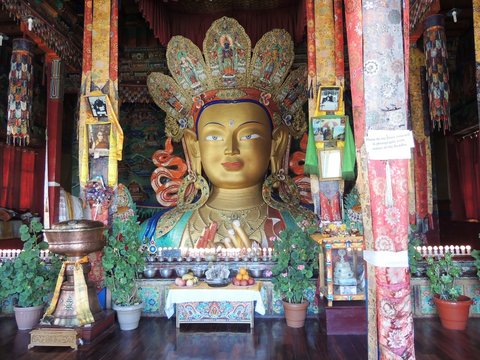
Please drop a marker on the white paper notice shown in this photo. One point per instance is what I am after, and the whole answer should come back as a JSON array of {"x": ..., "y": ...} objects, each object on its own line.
[{"x": 389, "y": 144}]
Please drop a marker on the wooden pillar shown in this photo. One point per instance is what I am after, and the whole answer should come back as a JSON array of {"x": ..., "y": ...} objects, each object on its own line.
[{"x": 54, "y": 68}]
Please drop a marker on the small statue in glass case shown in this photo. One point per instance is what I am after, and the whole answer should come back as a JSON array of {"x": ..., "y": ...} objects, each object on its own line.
[{"x": 343, "y": 275}]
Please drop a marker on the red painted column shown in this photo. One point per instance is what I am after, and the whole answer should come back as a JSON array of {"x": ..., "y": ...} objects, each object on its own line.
[{"x": 54, "y": 131}]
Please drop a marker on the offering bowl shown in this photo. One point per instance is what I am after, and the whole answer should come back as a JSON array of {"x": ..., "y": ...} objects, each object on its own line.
[
  {"x": 181, "y": 271},
  {"x": 166, "y": 272},
  {"x": 198, "y": 272},
  {"x": 149, "y": 272},
  {"x": 76, "y": 238},
  {"x": 256, "y": 273}
]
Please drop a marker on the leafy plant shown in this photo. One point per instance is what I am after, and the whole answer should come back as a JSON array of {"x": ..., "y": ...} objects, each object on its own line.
[
  {"x": 123, "y": 257},
  {"x": 476, "y": 255},
  {"x": 414, "y": 256},
  {"x": 442, "y": 273},
  {"x": 296, "y": 257},
  {"x": 28, "y": 278}
]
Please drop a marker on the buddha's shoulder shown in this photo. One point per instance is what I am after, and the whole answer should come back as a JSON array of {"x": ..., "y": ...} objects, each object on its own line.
[{"x": 174, "y": 218}]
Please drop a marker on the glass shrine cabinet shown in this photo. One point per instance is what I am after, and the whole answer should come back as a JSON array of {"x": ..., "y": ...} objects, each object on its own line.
[{"x": 341, "y": 268}]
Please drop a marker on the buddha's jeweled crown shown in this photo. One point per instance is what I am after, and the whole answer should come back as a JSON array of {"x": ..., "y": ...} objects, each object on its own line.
[{"x": 228, "y": 70}]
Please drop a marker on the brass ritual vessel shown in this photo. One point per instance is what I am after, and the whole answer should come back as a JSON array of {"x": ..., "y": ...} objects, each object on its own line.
[{"x": 75, "y": 239}]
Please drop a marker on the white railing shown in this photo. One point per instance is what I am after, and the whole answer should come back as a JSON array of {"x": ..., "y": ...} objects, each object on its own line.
[
  {"x": 458, "y": 250},
  {"x": 9, "y": 254}
]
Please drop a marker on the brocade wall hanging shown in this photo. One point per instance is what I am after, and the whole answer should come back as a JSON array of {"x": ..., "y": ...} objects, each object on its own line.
[
  {"x": 421, "y": 198},
  {"x": 353, "y": 24},
  {"x": 100, "y": 80},
  {"x": 476, "y": 36},
  {"x": 325, "y": 42},
  {"x": 20, "y": 93}
]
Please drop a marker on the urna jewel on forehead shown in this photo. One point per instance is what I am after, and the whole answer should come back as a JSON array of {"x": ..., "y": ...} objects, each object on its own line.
[{"x": 228, "y": 70}]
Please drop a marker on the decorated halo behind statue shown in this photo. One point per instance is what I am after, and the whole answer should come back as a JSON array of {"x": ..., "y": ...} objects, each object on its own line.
[{"x": 196, "y": 80}]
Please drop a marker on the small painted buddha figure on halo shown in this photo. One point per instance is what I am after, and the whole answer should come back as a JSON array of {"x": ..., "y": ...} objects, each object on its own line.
[{"x": 236, "y": 133}]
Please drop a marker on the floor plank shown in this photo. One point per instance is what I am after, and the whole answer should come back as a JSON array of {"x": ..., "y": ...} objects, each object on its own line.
[{"x": 157, "y": 338}]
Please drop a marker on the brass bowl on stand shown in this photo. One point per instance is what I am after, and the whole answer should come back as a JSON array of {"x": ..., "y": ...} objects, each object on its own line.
[{"x": 75, "y": 239}]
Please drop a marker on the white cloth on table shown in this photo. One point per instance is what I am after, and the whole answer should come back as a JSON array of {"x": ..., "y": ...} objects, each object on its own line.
[{"x": 205, "y": 293}]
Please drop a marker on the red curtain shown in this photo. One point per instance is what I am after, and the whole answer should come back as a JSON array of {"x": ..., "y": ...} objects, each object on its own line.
[
  {"x": 465, "y": 179},
  {"x": 21, "y": 178},
  {"x": 166, "y": 23}
]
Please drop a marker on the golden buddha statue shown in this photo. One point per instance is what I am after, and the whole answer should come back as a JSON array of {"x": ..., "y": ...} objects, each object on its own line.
[{"x": 236, "y": 124}]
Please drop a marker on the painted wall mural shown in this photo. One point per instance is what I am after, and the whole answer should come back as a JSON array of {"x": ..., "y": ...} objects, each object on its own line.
[{"x": 143, "y": 126}]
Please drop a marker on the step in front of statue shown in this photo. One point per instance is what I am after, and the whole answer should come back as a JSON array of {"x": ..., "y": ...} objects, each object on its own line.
[{"x": 346, "y": 318}]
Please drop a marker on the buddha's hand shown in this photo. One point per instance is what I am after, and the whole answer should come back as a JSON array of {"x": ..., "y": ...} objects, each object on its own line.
[
  {"x": 227, "y": 242},
  {"x": 241, "y": 234}
]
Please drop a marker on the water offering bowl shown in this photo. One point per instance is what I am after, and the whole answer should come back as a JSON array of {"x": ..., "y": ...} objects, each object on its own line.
[{"x": 166, "y": 272}]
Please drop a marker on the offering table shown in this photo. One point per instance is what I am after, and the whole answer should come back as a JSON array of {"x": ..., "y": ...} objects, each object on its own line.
[{"x": 205, "y": 304}]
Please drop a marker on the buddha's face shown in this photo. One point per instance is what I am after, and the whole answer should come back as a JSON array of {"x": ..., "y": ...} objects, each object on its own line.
[{"x": 235, "y": 141}]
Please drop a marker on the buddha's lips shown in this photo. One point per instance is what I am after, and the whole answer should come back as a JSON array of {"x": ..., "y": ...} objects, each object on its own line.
[{"x": 232, "y": 165}]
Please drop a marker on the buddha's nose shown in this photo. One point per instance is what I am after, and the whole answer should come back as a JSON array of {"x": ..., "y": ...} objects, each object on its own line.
[{"x": 231, "y": 147}]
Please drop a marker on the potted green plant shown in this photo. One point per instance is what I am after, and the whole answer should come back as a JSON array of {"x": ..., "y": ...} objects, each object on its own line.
[
  {"x": 296, "y": 257},
  {"x": 453, "y": 308},
  {"x": 28, "y": 279},
  {"x": 122, "y": 260}
]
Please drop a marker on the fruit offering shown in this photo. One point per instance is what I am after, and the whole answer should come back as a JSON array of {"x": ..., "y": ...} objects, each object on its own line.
[
  {"x": 243, "y": 278},
  {"x": 186, "y": 280}
]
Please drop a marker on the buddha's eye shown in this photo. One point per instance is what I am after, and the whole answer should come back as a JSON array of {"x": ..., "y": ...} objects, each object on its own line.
[
  {"x": 213, "y": 138},
  {"x": 250, "y": 137}
]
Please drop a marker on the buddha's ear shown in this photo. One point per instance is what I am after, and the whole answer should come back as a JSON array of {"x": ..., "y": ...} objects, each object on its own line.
[
  {"x": 279, "y": 146},
  {"x": 191, "y": 142}
]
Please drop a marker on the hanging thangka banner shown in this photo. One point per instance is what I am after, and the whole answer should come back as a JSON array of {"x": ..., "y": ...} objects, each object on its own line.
[
  {"x": 20, "y": 93},
  {"x": 435, "y": 48},
  {"x": 325, "y": 193},
  {"x": 386, "y": 110}
]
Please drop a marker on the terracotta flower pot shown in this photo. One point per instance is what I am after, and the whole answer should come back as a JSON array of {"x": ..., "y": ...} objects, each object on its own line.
[
  {"x": 295, "y": 314},
  {"x": 453, "y": 314}
]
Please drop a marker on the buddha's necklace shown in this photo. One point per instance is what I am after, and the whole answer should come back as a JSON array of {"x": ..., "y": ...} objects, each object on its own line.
[{"x": 250, "y": 219}]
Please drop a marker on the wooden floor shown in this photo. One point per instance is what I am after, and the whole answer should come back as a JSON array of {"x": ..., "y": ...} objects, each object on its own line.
[{"x": 157, "y": 338}]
